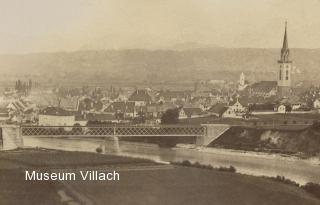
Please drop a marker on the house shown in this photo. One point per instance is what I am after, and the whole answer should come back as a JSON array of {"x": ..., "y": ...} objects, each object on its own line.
[
  {"x": 264, "y": 89},
  {"x": 190, "y": 113},
  {"x": 17, "y": 106},
  {"x": 173, "y": 96},
  {"x": 140, "y": 98},
  {"x": 293, "y": 101},
  {"x": 316, "y": 104},
  {"x": 153, "y": 111},
  {"x": 4, "y": 114},
  {"x": 30, "y": 115},
  {"x": 239, "y": 106},
  {"x": 68, "y": 103},
  {"x": 21, "y": 110},
  {"x": 121, "y": 109},
  {"x": 86, "y": 104},
  {"x": 263, "y": 108},
  {"x": 56, "y": 116},
  {"x": 281, "y": 108},
  {"x": 101, "y": 117},
  {"x": 218, "y": 109},
  {"x": 230, "y": 113}
]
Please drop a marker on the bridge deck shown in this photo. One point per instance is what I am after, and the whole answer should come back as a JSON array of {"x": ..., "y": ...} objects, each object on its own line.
[{"x": 90, "y": 131}]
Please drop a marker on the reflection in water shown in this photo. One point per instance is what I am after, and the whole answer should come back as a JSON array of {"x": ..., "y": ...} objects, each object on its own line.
[{"x": 300, "y": 171}]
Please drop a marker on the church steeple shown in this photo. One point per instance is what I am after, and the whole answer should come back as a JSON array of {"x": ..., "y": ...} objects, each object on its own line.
[
  {"x": 285, "y": 48},
  {"x": 285, "y": 67}
]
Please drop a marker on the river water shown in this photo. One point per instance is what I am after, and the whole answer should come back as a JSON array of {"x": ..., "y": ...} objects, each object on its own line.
[{"x": 301, "y": 171}]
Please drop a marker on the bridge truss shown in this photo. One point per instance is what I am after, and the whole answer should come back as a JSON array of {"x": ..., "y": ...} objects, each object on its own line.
[{"x": 119, "y": 131}]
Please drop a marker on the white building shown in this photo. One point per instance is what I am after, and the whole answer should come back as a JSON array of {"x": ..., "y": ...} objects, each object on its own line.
[
  {"x": 55, "y": 116},
  {"x": 316, "y": 104},
  {"x": 242, "y": 82}
]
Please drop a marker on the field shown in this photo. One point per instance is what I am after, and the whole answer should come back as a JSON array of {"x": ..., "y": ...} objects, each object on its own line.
[{"x": 141, "y": 182}]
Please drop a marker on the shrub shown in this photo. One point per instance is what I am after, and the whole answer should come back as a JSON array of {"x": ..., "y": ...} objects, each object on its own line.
[
  {"x": 227, "y": 169},
  {"x": 187, "y": 163},
  {"x": 99, "y": 150},
  {"x": 312, "y": 188},
  {"x": 284, "y": 180}
]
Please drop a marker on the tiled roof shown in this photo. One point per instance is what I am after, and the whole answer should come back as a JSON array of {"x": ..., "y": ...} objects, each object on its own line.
[
  {"x": 168, "y": 95},
  {"x": 57, "y": 111},
  {"x": 123, "y": 107},
  {"x": 218, "y": 108},
  {"x": 192, "y": 111},
  {"x": 140, "y": 95},
  {"x": 264, "y": 86},
  {"x": 262, "y": 107},
  {"x": 99, "y": 117}
]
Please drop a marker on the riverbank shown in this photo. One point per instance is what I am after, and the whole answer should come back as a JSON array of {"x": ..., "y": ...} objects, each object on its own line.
[
  {"x": 141, "y": 182},
  {"x": 244, "y": 153},
  {"x": 303, "y": 143}
]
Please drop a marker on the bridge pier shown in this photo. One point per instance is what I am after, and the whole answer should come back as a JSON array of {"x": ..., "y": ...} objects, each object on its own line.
[
  {"x": 212, "y": 132},
  {"x": 111, "y": 145},
  {"x": 11, "y": 137}
]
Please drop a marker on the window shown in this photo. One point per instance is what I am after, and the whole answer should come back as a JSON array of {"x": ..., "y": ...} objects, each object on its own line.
[
  {"x": 280, "y": 75},
  {"x": 287, "y": 75}
]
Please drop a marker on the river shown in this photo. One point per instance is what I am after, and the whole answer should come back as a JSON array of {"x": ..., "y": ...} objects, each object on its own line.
[{"x": 301, "y": 171}]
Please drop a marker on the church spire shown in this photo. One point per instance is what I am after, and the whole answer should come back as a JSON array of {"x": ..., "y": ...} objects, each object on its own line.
[
  {"x": 285, "y": 47},
  {"x": 285, "y": 39}
]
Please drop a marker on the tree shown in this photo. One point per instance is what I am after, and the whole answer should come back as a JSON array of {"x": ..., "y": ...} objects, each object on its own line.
[
  {"x": 140, "y": 119},
  {"x": 77, "y": 128},
  {"x": 171, "y": 116},
  {"x": 288, "y": 108}
]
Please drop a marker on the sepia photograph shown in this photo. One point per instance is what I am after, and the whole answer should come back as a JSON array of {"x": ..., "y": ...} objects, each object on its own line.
[{"x": 159, "y": 102}]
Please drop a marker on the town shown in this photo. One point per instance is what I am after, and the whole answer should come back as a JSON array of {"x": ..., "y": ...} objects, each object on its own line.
[
  {"x": 159, "y": 102},
  {"x": 280, "y": 102}
]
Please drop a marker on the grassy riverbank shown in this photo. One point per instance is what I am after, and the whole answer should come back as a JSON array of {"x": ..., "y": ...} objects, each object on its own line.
[{"x": 141, "y": 182}]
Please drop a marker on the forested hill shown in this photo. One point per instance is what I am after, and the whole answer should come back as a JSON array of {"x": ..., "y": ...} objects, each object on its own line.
[{"x": 160, "y": 65}]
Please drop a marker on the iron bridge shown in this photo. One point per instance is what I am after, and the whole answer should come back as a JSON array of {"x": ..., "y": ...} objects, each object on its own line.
[{"x": 118, "y": 131}]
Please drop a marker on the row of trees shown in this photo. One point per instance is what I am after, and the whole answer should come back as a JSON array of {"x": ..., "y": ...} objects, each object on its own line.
[{"x": 23, "y": 87}]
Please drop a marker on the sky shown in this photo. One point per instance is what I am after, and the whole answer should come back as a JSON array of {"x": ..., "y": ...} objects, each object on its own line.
[{"x": 69, "y": 25}]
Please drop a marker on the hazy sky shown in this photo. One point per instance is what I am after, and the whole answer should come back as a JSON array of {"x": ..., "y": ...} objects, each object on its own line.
[{"x": 56, "y": 25}]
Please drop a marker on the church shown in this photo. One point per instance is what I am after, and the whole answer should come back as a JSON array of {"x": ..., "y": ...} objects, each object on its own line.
[{"x": 282, "y": 87}]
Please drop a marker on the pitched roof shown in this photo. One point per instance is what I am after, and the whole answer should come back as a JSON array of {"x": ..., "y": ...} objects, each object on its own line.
[
  {"x": 264, "y": 86},
  {"x": 168, "y": 94},
  {"x": 140, "y": 95},
  {"x": 124, "y": 107},
  {"x": 262, "y": 107},
  {"x": 99, "y": 117},
  {"x": 218, "y": 108},
  {"x": 192, "y": 111},
  {"x": 56, "y": 111}
]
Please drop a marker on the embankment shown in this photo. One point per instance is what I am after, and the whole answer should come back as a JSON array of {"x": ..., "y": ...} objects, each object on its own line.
[{"x": 304, "y": 142}]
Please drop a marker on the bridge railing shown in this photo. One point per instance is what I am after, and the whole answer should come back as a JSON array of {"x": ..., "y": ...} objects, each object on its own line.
[{"x": 164, "y": 130}]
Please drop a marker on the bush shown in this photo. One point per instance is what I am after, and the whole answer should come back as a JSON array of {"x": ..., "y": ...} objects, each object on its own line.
[
  {"x": 171, "y": 116},
  {"x": 99, "y": 150},
  {"x": 284, "y": 180},
  {"x": 187, "y": 163},
  {"x": 312, "y": 188},
  {"x": 227, "y": 169}
]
